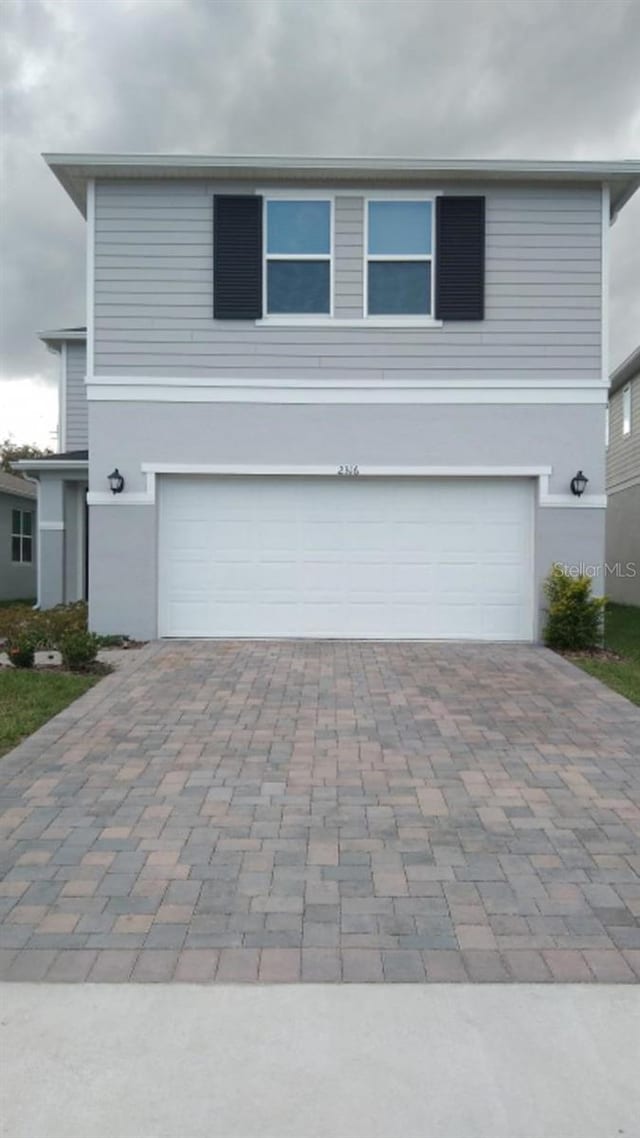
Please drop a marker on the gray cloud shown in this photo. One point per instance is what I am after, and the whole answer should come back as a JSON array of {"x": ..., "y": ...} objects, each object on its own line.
[{"x": 476, "y": 78}]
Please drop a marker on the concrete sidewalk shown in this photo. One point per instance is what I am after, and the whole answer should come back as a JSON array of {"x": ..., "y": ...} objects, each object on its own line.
[{"x": 316, "y": 1061}]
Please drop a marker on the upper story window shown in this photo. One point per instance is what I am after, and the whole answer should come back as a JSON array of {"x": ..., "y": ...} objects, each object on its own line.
[
  {"x": 399, "y": 276},
  {"x": 22, "y": 536},
  {"x": 298, "y": 257},
  {"x": 626, "y": 410},
  {"x": 423, "y": 258}
]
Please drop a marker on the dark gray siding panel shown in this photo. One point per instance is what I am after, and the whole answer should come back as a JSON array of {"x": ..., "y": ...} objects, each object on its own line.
[
  {"x": 154, "y": 294},
  {"x": 623, "y": 452},
  {"x": 77, "y": 434}
]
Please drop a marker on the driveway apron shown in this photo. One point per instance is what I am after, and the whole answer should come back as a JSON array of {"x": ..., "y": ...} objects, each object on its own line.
[{"x": 327, "y": 811}]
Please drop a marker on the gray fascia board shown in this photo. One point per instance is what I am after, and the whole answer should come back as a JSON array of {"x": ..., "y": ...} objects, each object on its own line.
[
  {"x": 626, "y": 371},
  {"x": 59, "y": 336},
  {"x": 37, "y": 464},
  {"x": 73, "y": 170}
]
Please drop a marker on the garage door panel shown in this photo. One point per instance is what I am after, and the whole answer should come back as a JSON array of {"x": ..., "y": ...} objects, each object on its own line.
[{"x": 383, "y": 558}]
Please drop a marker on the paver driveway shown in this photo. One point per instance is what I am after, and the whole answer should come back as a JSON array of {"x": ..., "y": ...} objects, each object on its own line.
[{"x": 326, "y": 811}]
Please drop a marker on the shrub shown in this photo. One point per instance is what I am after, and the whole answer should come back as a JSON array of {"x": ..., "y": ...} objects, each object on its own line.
[
  {"x": 574, "y": 617},
  {"x": 78, "y": 650},
  {"x": 21, "y": 651},
  {"x": 44, "y": 627},
  {"x": 63, "y": 620}
]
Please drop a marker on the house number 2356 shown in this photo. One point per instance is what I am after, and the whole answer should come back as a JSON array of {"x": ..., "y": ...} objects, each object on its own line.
[{"x": 348, "y": 471}]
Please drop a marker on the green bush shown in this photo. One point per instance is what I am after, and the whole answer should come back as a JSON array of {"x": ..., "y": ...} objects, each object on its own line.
[
  {"x": 44, "y": 627},
  {"x": 21, "y": 650},
  {"x": 63, "y": 620},
  {"x": 78, "y": 650},
  {"x": 574, "y": 617}
]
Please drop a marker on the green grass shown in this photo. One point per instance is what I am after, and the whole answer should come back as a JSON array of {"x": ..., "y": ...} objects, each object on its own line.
[
  {"x": 622, "y": 635},
  {"x": 28, "y": 699}
]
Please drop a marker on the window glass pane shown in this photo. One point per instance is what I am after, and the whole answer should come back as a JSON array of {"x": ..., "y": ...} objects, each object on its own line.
[
  {"x": 298, "y": 227},
  {"x": 15, "y": 548},
  {"x": 26, "y": 523},
  {"x": 398, "y": 288},
  {"x": 298, "y": 286},
  {"x": 399, "y": 227},
  {"x": 15, "y": 521},
  {"x": 26, "y": 549}
]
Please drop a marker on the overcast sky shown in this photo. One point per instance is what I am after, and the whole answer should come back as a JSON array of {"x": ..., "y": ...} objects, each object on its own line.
[{"x": 457, "y": 78}]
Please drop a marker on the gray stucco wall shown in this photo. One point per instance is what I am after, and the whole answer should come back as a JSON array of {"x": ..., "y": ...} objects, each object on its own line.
[
  {"x": 566, "y": 437},
  {"x": 62, "y": 565},
  {"x": 74, "y": 504},
  {"x": 154, "y": 294},
  {"x": 122, "y": 573},
  {"x": 123, "y": 537},
  {"x": 623, "y": 545},
  {"x": 17, "y": 581},
  {"x": 77, "y": 430}
]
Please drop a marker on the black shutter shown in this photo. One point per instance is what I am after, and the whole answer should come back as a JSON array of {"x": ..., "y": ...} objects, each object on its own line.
[
  {"x": 460, "y": 258},
  {"x": 237, "y": 257}
]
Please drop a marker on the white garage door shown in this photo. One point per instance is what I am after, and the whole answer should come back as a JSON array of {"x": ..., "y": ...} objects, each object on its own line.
[{"x": 392, "y": 558}]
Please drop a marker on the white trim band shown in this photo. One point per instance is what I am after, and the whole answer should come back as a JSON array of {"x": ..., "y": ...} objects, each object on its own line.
[
  {"x": 208, "y": 389},
  {"x": 545, "y": 500},
  {"x": 332, "y": 470},
  {"x": 51, "y": 526},
  {"x": 106, "y": 498},
  {"x": 90, "y": 272}
]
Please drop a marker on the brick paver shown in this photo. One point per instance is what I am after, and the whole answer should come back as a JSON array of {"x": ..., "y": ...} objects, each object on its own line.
[{"x": 307, "y": 811}]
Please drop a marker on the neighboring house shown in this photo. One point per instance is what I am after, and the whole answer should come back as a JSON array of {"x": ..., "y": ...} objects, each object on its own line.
[
  {"x": 18, "y": 509},
  {"x": 623, "y": 483},
  {"x": 63, "y": 478},
  {"x": 347, "y": 398}
]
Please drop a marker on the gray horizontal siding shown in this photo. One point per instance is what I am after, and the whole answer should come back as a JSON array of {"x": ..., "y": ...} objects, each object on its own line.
[
  {"x": 77, "y": 431},
  {"x": 623, "y": 452},
  {"x": 154, "y": 294}
]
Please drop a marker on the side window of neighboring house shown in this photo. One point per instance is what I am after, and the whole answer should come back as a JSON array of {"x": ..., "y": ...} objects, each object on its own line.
[
  {"x": 22, "y": 536},
  {"x": 274, "y": 257},
  {"x": 626, "y": 410}
]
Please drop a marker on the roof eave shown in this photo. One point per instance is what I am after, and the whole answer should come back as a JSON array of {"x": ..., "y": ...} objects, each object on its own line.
[
  {"x": 37, "y": 464},
  {"x": 626, "y": 371},
  {"x": 73, "y": 170},
  {"x": 55, "y": 337}
]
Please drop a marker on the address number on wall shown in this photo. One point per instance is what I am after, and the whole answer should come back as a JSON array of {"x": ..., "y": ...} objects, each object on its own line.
[{"x": 348, "y": 471}]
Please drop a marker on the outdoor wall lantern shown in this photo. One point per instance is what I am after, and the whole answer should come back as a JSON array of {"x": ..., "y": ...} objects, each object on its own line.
[
  {"x": 116, "y": 481},
  {"x": 579, "y": 484}
]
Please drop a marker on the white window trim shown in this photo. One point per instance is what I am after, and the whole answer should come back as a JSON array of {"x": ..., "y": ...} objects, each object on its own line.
[
  {"x": 404, "y": 320},
  {"x": 297, "y": 317},
  {"x": 21, "y": 536},
  {"x": 626, "y": 411},
  {"x": 309, "y": 321}
]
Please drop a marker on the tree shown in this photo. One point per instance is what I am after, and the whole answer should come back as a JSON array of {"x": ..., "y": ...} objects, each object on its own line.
[{"x": 11, "y": 452}]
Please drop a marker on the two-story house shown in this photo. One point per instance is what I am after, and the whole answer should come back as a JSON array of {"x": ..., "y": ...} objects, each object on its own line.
[
  {"x": 335, "y": 398},
  {"x": 623, "y": 483}
]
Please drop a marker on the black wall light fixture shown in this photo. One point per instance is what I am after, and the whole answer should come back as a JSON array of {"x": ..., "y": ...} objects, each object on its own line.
[
  {"x": 579, "y": 484},
  {"x": 116, "y": 481}
]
